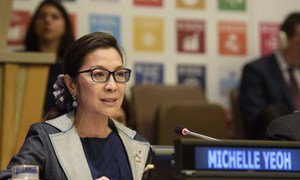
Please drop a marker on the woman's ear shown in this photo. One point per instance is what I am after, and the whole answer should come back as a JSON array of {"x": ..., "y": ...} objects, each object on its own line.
[{"x": 72, "y": 87}]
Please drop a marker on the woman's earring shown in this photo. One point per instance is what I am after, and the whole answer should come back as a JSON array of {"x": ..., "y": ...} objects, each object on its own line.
[{"x": 74, "y": 104}]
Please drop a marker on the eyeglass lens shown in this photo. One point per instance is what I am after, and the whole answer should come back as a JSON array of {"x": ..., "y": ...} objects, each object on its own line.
[{"x": 120, "y": 75}]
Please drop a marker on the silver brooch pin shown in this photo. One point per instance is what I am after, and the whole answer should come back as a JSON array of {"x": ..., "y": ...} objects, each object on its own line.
[{"x": 138, "y": 157}]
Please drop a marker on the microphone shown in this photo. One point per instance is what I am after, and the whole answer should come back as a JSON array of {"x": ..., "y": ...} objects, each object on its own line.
[{"x": 185, "y": 131}]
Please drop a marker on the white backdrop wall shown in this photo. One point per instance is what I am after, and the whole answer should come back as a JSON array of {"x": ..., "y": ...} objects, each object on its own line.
[{"x": 218, "y": 71}]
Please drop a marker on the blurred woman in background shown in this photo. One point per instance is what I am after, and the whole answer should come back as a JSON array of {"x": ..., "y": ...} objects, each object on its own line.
[{"x": 50, "y": 31}]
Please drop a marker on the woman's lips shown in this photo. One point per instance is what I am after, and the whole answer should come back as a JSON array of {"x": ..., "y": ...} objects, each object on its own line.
[{"x": 109, "y": 101}]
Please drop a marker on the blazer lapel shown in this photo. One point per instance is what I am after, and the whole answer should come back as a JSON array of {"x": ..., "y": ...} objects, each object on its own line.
[
  {"x": 68, "y": 149},
  {"x": 137, "y": 151}
]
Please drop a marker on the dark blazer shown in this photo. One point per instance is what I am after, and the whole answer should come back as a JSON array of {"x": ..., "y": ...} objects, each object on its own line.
[
  {"x": 285, "y": 128},
  {"x": 56, "y": 148},
  {"x": 262, "y": 84}
]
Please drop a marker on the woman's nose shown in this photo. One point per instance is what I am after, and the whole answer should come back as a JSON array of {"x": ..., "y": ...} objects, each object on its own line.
[{"x": 111, "y": 84}]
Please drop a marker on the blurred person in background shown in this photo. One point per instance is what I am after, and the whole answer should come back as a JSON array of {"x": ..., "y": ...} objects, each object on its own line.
[
  {"x": 270, "y": 85},
  {"x": 50, "y": 31}
]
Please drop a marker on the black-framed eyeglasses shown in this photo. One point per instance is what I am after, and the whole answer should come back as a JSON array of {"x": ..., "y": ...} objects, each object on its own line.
[{"x": 99, "y": 74}]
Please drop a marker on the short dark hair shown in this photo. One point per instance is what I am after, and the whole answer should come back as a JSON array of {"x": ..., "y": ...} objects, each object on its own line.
[
  {"x": 289, "y": 24},
  {"x": 85, "y": 45},
  {"x": 31, "y": 39}
]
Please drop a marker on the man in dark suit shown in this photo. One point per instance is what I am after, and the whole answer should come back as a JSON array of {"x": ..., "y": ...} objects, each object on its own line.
[{"x": 265, "y": 90}]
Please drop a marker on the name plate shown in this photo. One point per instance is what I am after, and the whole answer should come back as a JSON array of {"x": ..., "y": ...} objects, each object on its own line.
[
  {"x": 238, "y": 158},
  {"x": 234, "y": 158}
]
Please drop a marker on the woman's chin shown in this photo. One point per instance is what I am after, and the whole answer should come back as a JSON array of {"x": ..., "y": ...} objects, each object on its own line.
[{"x": 110, "y": 113}]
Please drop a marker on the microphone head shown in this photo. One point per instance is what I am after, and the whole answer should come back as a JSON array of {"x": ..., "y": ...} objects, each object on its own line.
[{"x": 180, "y": 130}]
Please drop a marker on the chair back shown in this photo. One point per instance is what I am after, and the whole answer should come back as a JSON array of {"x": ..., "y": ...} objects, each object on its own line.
[
  {"x": 204, "y": 118},
  {"x": 146, "y": 100},
  {"x": 238, "y": 124}
]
